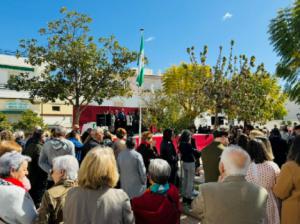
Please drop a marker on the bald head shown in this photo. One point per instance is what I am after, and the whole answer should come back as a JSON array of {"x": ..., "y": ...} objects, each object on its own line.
[{"x": 234, "y": 161}]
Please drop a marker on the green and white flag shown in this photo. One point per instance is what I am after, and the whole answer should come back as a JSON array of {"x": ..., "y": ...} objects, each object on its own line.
[{"x": 140, "y": 71}]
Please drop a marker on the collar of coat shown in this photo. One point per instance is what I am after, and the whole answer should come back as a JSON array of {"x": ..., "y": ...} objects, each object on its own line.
[{"x": 236, "y": 178}]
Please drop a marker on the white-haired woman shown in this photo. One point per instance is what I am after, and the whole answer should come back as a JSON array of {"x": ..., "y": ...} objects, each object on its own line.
[
  {"x": 95, "y": 200},
  {"x": 16, "y": 205},
  {"x": 20, "y": 138},
  {"x": 64, "y": 174},
  {"x": 161, "y": 201}
]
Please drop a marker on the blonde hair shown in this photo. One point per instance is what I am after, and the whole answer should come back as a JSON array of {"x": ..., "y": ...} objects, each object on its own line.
[
  {"x": 6, "y": 135},
  {"x": 9, "y": 146},
  {"x": 256, "y": 133},
  {"x": 268, "y": 148},
  {"x": 98, "y": 169}
]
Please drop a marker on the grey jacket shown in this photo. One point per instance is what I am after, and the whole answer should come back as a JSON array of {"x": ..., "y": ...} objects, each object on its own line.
[
  {"x": 107, "y": 206},
  {"x": 234, "y": 201},
  {"x": 54, "y": 148},
  {"x": 132, "y": 172}
]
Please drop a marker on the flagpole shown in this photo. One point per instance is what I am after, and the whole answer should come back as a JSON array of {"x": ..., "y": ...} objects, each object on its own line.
[{"x": 140, "y": 105}]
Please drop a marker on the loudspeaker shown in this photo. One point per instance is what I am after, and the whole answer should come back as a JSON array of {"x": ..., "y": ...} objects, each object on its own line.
[
  {"x": 220, "y": 120},
  {"x": 101, "y": 120}
]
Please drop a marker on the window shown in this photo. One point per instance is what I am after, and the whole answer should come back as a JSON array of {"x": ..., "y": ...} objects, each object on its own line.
[{"x": 55, "y": 108}]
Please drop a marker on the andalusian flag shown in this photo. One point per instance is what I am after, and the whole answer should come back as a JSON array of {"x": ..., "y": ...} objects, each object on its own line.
[{"x": 140, "y": 71}]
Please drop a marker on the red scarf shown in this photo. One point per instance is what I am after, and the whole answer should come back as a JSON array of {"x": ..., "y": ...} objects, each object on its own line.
[{"x": 16, "y": 182}]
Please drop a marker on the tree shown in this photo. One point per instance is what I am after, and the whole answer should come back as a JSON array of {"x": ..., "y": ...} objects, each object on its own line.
[
  {"x": 284, "y": 33},
  {"x": 247, "y": 92},
  {"x": 75, "y": 69},
  {"x": 184, "y": 84},
  {"x": 4, "y": 123},
  {"x": 217, "y": 88},
  {"x": 28, "y": 121},
  {"x": 257, "y": 96},
  {"x": 163, "y": 111}
]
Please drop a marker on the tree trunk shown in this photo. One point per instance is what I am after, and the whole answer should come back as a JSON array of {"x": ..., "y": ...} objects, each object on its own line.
[
  {"x": 216, "y": 124},
  {"x": 76, "y": 115}
]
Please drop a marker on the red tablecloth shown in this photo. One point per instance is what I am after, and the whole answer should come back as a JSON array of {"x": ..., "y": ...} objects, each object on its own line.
[{"x": 201, "y": 141}]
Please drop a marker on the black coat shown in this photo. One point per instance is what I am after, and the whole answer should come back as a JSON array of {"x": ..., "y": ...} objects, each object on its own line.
[
  {"x": 280, "y": 150},
  {"x": 37, "y": 176},
  {"x": 92, "y": 143},
  {"x": 147, "y": 154},
  {"x": 168, "y": 153}
]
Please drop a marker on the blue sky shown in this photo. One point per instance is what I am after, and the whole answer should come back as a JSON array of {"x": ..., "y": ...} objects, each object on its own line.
[{"x": 170, "y": 26}]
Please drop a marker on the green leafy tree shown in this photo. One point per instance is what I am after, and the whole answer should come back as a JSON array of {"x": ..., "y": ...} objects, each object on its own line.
[
  {"x": 4, "y": 123},
  {"x": 163, "y": 111},
  {"x": 257, "y": 96},
  {"x": 217, "y": 87},
  {"x": 184, "y": 84},
  {"x": 285, "y": 36},
  {"x": 28, "y": 121},
  {"x": 76, "y": 70},
  {"x": 246, "y": 92}
]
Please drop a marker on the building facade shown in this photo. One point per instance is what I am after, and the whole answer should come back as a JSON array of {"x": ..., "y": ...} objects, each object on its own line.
[{"x": 13, "y": 103}]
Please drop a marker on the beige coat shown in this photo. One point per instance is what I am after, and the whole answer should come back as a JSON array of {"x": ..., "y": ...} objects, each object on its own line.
[
  {"x": 107, "y": 206},
  {"x": 287, "y": 188},
  {"x": 53, "y": 201},
  {"x": 234, "y": 201}
]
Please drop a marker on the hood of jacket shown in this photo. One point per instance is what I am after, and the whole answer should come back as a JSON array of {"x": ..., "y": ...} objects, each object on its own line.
[{"x": 58, "y": 144}]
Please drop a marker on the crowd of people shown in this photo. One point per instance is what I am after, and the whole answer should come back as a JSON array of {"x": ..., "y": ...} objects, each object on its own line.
[{"x": 251, "y": 176}]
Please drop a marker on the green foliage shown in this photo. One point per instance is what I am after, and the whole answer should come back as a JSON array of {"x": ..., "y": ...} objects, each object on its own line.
[
  {"x": 28, "y": 121},
  {"x": 4, "y": 123},
  {"x": 185, "y": 84},
  {"x": 76, "y": 69},
  {"x": 246, "y": 92},
  {"x": 285, "y": 36}
]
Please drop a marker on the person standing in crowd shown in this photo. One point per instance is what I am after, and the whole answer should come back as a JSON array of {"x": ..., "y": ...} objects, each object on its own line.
[
  {"x": 263, "y": 172},
  {"x": 168, "y": 153},
  {"x": 135, "y": 122},
  {"x": 242, "y": 141},
  {"x": 58, "y": 146},
  {"x": 287, "y": 186},
  {"x": 37, "y": 176},
  {"x": 20, "y": 138},
  {"x": 279, "y": 146},
  {"x": 64, "y": 174},
  {"x": 16, "y": 204},
  {"x": 9, "y": 146},
  {"x": 161, "y": 200},
  {"x": 74, "y": 137},
  {"x": 120, "y": 144},
  {"x": 86, "y": 135},
  {"x": 147, "y": 148},
  {"x": 107, "y": 138},
  {"x": 6, "y": 135},
  {"x": 76, "y": 128},
  {"x": 14, "y": 168},
  {"x": 122, "y": 119},
  {"x": 96, "y": 200},
  {"x": 132, "y": 170},
  {"x": 284, "y": 132},
  {"x": 187, "y": 156},
  {"x": 95, "y": 140},
  {"x": 233, "y": 199},
  {"x": 211, "y": 156}
]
